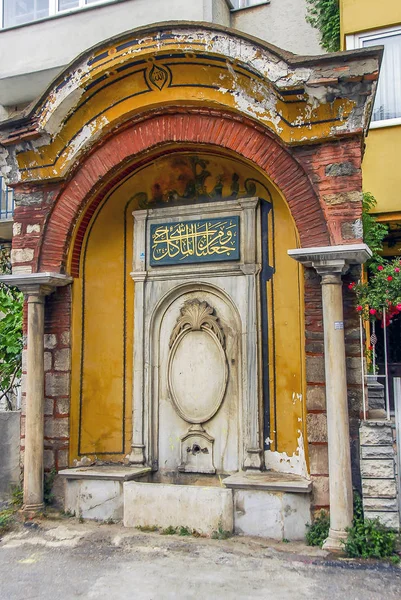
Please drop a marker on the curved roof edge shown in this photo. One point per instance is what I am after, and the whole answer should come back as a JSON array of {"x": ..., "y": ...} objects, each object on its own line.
[{"x": 291, "y": 59}]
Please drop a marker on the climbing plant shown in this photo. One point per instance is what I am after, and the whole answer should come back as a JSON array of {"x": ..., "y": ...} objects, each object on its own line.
[
  {"x": 11, "y": 304},
  {"x": 324, "y": 15}
]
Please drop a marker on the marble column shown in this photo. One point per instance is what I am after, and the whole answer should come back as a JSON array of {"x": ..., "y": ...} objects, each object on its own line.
[
  {"x": 331, "y": 263},
  {"x": 35, "y": 287},
  {"x": 139, "y": 275}
]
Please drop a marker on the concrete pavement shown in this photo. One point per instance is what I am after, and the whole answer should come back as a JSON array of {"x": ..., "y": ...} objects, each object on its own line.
[{"x": 65, "y": 559}]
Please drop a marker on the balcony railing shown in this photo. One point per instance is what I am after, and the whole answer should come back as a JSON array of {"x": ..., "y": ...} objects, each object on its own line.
[{"x": 6, "y": 201}]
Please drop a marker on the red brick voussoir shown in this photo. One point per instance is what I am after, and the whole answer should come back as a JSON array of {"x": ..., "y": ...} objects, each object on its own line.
[{"x": 114, "y": 157}]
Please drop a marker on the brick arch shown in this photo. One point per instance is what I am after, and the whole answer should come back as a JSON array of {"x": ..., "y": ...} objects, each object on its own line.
[{"x": 108, "y": 163}]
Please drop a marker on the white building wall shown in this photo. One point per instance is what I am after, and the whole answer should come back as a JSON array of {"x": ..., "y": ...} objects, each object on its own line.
[
  {"x": 279, "y": 22},
  {"x": 41, "y": 50}
]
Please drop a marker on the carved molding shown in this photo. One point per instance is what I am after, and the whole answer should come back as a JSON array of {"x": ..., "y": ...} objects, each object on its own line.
[{"x": 195, "y": 316}]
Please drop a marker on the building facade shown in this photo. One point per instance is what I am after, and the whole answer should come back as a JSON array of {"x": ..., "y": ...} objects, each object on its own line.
[{"x": 188, "y": 207}]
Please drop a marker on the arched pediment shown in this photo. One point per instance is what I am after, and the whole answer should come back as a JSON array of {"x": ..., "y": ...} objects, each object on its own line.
[{"x": 299, "y": 99}]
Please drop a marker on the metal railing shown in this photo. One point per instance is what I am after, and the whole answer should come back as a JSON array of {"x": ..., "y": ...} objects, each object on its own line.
[{"x": 6, "y": 201}]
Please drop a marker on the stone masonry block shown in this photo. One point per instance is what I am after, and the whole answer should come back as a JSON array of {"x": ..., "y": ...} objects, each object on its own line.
[
  {"x": 47, "y": 361},
  {"x": 377, "y": 452},
  {"x": 379, "y": 488},
  {"x": 340, "y": 169},
  {"x": 354, "y": 370},
  {"x": 389, "y": 519},
  {"x": 65, "y": 338},
  {"x": 320, "y": 494},
  {"x": 21, "y": 255},
  {"x": 352, "y": 230},
  {"x": 377, "y": 469},
  {"x": 316, "y": 427},
  {"x": 57, "y": 384},
  {"x": 318, "y": 460},
  {"x": 315, "y": 398},
  {"x": 34, "y": 228},
  {"x": 315, "y": 369},
  {"x": 376, "y": 435},
  {"x": 56, "y": 428},
  {"x": 62, "y": 406},
  {"x": 380, "y": 504},
  {"x": 48, "y": 459},
  {"x": 342, "y": 198},
  {"x": 62, "y": 360},
  {"x": 62, "y": 459},
  {"x": 50, "y": 341}
]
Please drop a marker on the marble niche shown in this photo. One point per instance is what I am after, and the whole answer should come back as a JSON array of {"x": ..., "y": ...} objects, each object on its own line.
[{"x": 197, "y": 359}]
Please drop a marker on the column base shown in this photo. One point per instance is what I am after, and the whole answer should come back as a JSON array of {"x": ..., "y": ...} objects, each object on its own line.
[
  {"x": 32, "y": 509},
  {"x": 137, "y": 456},
  {"x": 335, "y": 542}
]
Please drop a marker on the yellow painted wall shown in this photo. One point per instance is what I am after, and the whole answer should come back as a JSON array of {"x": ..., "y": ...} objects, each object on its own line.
[
  {"x": 103, "y": 305},
  {"x": 381, "y": 168},
  {"x": 362, "y": 15}
]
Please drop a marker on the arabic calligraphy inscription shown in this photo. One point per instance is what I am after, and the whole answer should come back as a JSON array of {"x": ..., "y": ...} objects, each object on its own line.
[{"x": 207, "y": 240}]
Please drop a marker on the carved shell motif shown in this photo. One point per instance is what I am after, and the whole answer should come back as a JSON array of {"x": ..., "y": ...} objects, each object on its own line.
[{"x": 197, "y": 315}]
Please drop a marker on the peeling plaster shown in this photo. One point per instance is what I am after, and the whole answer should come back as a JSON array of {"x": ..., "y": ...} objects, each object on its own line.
[
  {"x": 283, "y": 463},
  {"x": 87, "y": 134}
]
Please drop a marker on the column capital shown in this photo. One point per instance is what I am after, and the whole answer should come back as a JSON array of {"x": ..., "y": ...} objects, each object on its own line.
[
  {"x": 36, "y": 284},
  {"x": 332, "y": 260}
]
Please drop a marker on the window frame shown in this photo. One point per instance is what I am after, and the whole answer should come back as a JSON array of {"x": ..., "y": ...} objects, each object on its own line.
[
  {"x": 355, "y": 41},
  {"x": 53, "y": 12}
]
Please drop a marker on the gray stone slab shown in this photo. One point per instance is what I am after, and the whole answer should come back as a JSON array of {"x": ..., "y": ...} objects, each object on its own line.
[
  {"x": 9, "y": 451},
  {"x": 113, "y": 472},
  {"x": 270, "y": 480}
]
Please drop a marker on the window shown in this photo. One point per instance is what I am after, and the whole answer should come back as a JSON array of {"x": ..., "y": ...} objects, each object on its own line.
[
  {"x": 246, "y": 3},
  {"x": 18, "y": 12},
  {"x": 387, "y": 108}
]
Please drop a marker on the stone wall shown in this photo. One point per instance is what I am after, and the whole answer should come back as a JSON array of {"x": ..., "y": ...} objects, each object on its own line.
[
  {"x": 315, "y": 377},
  {"x": 379, "y": 483},
  {"x": 9, "y": 451},
  {"x": 57, "y": 361}
]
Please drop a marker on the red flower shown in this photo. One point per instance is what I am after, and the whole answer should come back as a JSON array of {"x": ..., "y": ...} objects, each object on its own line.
[
  {"x": 372, "y": 311},
  {"x": 398, "y": 307},
  {"x": 359, "y": 308},
  {"x": 389, "y": 278},
  {"x": 370, "y": 347},
  {"x": 380, "y": 268},
  {"x": 352, "y": 285},
  {"x": 397, "y": 270}
]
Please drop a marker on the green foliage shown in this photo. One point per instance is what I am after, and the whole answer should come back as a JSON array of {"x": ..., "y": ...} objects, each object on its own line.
[
  {"x": 373, "y": 232},
  {"x": 319, "y": 530},
  {"x": 383, "y": 289},
  {"x": 6, "y": 520},
  {"x": 17, "y": 496},
  {"x": 369, "y": 538},
  {"x": 11, "y": 304},
  {"x": 147, "y": 528},
  {"x": 221, "y": 534},
  {"x": 324, "y": 15},
  {"x": 170, "y": 530},
  {"x": 48, "y": 482},
  {"x": 184, "y": 531}
]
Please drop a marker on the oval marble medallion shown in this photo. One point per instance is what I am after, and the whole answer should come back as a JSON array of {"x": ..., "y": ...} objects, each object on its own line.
[{"x": 197, "y": 375}]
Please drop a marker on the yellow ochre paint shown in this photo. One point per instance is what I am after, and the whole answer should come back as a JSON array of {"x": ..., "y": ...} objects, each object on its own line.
[
  {"x": 101, "y": 339},
  {"x": 106, "y": 97}
]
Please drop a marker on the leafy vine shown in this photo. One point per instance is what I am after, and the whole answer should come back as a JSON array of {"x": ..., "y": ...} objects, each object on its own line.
[{"x": 324, "y": 15}]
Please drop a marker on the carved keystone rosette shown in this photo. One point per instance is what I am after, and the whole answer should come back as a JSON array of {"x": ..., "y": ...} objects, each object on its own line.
[{"x": 197, "y": 365}]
